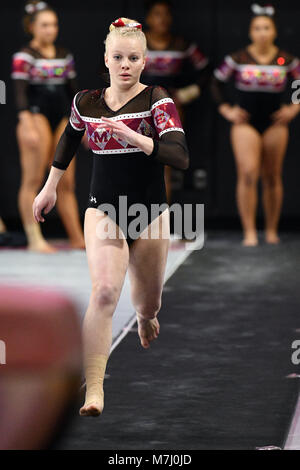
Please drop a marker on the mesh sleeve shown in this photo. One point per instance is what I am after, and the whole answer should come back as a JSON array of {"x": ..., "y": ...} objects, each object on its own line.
[
  {"x": 75, "y": 119},
  {"x": 72, "y": 88},
  {"x": 21, "y": 65},
  {"x": 171, "y": 148},
  {"x": 72, "y": 83},
  {"x": 71, "y": 137},
  {"x": 66, "y": 147},
  {"x": 200, "y": 64},
  {"x": 225, "y": 71},
  {"x": 221, "y": 76},
  {"x": 20, "y": 93},
  {"x": 217, "y": 89}
]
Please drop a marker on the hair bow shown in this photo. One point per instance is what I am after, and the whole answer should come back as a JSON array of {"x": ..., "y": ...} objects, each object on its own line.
[
  {"x": 31, "y": 8},
  {"x": 120, "y": 23},
  {"x": 267, "y": 10}
]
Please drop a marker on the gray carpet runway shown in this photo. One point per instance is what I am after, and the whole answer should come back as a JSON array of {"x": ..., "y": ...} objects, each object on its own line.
[
  {"x": 220, "y": 376},
  {"x": 217, "y": 376}
]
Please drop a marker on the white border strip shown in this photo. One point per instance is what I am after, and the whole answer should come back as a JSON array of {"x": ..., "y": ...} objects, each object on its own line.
[
  {"x": 229, "y": 61},
  {"x": 116, "y": 151},
  {"x": 51, "y": 62},
  {"x": 73, "y": 125},
  {"x": 220, "y": 76},
  {"x": 170, "y": 129},
  {"x": 119, "y": 117},
  {"x": 20, "y": 75},
  {"x": 294, "y": 64},
  {"x": 262, "y": 67},
  {"x": 163, "y": 101},
  {"x": 23, "y": 56},
  {"x": 74, "y": 104}
]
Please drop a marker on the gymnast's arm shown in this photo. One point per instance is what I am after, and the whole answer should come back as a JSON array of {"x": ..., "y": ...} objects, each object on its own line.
[
  {"x": 67, "y": 147},
  {"x": 218, "y": 92},
  {"x": 233, "y": 114},
  {"x": 65, "y": 151},
  {"x": 171, "y": 149}
]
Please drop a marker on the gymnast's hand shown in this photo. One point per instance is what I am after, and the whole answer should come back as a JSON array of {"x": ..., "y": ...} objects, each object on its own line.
[
  {"x": 285, "y": 114},
  {"x": 234, "y": 114},
  {"x": 44, "y": 201},
  {"x": 120, "y": 130}
]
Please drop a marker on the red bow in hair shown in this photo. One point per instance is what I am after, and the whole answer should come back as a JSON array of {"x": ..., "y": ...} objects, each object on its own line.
[{"x": 120, "y": 23}]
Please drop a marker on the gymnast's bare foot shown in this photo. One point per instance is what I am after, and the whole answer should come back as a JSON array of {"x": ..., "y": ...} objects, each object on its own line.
[
  {"x": 272, "y": 237},
  {"x": 93, "y": 407},
  {"x": 148, "y": 330},
  {"x": 42, "y": 247},
  {"x": 250, "y": 239}
]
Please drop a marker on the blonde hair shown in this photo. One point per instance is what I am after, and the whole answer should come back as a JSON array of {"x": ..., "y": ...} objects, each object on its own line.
[{"x": 126, "y": 31}]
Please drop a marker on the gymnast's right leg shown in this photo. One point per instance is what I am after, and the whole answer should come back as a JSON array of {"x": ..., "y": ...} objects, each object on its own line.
[
  {"x": 34, "y": 157},
  {"x": 108, "y": 262}
]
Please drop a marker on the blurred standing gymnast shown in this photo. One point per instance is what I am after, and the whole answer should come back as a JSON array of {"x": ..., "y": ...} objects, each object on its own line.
[
  {"x": 44, "y": 84},
  {"x": 170, "y": 59},
  {"x": 259, "y": 132}
]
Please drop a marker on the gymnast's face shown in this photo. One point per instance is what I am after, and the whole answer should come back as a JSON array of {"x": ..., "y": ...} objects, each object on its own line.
[
  {"x": 262, "y": 31},
  {"x": 159, "y": 18},
  {"x": 45, "y": 27},
  {"x": 125, "y": 60}
]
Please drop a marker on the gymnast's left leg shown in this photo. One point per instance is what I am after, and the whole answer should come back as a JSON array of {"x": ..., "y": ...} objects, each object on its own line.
[
  {"x": 275, "y": 141},
  {"x": 147, "y": 264}
]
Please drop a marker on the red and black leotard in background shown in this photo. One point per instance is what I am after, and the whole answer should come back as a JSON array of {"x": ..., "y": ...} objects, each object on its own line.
[
  {"x": 44, "y": 85},
  {"x": 260, "y": 88},
  {"x": 180, "y": 65}
]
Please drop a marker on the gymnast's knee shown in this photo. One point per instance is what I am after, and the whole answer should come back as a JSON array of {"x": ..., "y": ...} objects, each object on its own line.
[
  {"x": 249, "y": 178},
  {"x": 104, "y": 295},
  {"x": 271, "y": 180}
]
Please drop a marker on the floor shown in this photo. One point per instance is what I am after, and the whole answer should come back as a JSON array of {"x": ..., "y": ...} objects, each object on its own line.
[{"x": 220, "y": 376}]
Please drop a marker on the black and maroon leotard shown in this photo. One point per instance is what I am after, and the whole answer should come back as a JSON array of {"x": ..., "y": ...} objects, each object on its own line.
[
  {"x": 120, "y": 169},
  {"x": 44, "y": 85},
  {"x": 181, "y": 64},
  {"x": 260, "y": 88}
]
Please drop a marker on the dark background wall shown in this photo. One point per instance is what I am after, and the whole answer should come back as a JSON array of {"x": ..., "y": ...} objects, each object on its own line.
[{"x": 219, "y": 27}]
